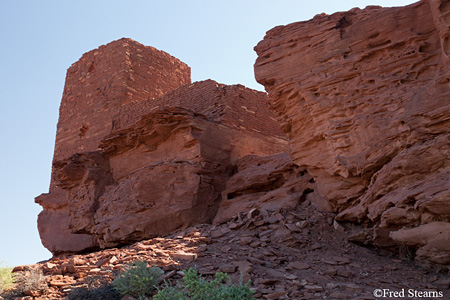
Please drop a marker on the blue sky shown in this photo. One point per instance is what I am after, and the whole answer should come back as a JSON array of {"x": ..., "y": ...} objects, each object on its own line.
[{"x": 41, "y": 39}]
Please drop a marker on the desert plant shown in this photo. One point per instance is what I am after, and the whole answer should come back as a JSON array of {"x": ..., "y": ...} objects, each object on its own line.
[
  {"x": 196, "y": 288},
  {"x": 6, "y": 278},
  {"x": 138, "y": 280},
  {"x": 95, "y": 288},
  {"x": 31, "y": 280}
]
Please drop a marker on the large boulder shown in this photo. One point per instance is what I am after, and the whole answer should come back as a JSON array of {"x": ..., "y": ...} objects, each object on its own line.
[{"x": 363, "y": 97}]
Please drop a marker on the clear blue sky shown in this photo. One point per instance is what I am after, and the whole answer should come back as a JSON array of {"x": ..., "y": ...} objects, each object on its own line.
[{"x": 41, "y": 39}]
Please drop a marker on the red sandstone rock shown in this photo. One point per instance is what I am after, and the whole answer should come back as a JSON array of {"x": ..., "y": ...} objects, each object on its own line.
[
  {"x": 363, "y": 96},
  {"x": 104, "y": 80},
  {"x": 144, "y": 165},
  {"x": 265, "y": 182}
]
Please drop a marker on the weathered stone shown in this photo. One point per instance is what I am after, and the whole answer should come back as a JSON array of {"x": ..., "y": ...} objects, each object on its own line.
[
  {"x": 269, "y": 182},
  {"x": 141, "y": 152},
  {"x": 276, "y": 295},
  {"x": 432, "y": 241},
  {"x": 245, "y": 240},
  {"x": 184, "y": 256},
  {"x": 216, "y": 234},
  {"x": 363, "y": 97},
  {"x": 299, "y": 265}
]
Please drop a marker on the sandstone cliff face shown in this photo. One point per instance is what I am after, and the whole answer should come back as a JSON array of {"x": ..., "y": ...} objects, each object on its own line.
[
  {"x": 268, "y": 183},
  {"x": 141, "y": 152},
  {"x": 364, "y": 97}
]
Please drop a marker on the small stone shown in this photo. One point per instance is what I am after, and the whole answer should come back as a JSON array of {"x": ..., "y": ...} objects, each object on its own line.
[
  {"x": 263, "y": 212},
  {"x": 302, "y": 224},
  {"x": 244, "y": 266},
  {"x": 273, "y": 273},
  {"x": 313, "y": 288},
  {"x": 225, "y": 230},
  {"x": 225, "y": 248},
  {"x": 292, "y": 227},
  {"x": 95, "y": 270},
  {"x": 234, "y": 225},
  {"x": 272, "y": 220},
  {"x": 269, "y": 281},
  {"x": 342, "y": 260},
  {"x": 330, "y": 272},
  {"x": 260, "y": 223},
  {"x": 245, "y": 240},
  {"x": 291, "y": 276},
  {"x": 299, "y": 265},
  {"x": 360, "y": 237},
  {"x": 279, "y": 217},
  {"x": 276, "y": 295},
  {"x": 101, "y": 262},
  {"x": 339, "y": 227},
  {"x": 216, "y": 233},
  {"x": 227, "y": 268},
  {"x": 255, "y": 244},
  {"x": 265, "y": 232},
  {"x": 345, "y": 273},
  {"x": 340, "y": 295},
  {"x": 331, "y": 285},
  {"x": 185, "y": 256},
  {"x": 316, "y": 246}
]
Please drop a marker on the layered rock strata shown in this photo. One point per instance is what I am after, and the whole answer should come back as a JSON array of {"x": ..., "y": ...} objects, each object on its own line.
[
  {"x": 141, "y": 152},
  {"x": 363, "y": 96},
  {"x": 268, "y": 182}
]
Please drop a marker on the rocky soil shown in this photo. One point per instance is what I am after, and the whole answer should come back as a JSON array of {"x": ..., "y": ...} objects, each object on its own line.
[{"x": 299, "y": 253}]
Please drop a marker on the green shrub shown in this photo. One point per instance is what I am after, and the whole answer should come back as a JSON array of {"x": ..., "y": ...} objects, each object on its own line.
[
  {"x": 6, "y": 278},
  {"x": 196, "y": 288},
  {"x": 138, "y": 280}
]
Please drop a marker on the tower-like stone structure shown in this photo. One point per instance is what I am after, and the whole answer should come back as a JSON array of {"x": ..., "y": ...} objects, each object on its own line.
[
  {"x": 105, "y": 79},
  {"x": 141, "y": 152},
  {"x": 97, "y": 86}
]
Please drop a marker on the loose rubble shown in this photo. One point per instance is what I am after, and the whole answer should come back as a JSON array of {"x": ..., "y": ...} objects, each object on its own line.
[{"x": 291, "y": 253}]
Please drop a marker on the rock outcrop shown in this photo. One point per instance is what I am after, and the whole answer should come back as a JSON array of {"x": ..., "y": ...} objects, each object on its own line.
[
  {"x": 363, "y": 96},
  {"x": 141, "y": 152},
  {"x": 268, "y": 182}
]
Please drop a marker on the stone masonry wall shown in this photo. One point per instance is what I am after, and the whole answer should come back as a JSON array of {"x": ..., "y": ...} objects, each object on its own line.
[{"x": 103, "y": 80}]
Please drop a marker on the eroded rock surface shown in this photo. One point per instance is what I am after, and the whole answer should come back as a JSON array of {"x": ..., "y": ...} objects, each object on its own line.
[
  {"x": 268, "y": 182},
  {"x": 364, "y": 98},
  {"x": 149, "y": 153}
]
